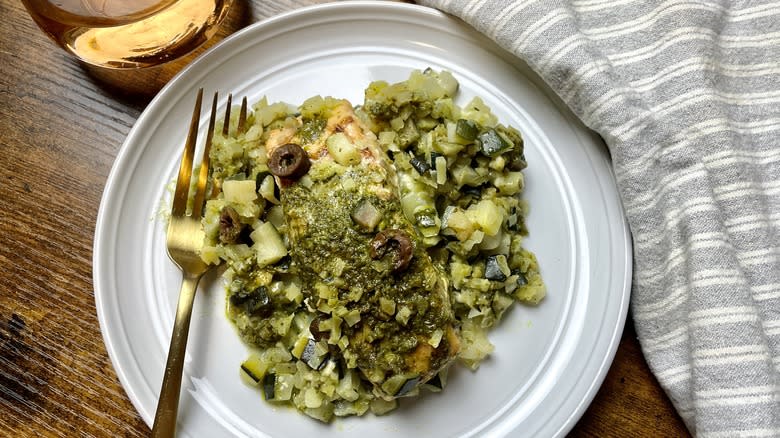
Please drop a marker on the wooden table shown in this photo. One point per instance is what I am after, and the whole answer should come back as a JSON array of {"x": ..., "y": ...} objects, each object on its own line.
[{"x": 60, "y": 131}]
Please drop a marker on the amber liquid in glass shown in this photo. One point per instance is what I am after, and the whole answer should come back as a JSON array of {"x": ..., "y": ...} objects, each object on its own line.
[{"x": 128, "y": 34}]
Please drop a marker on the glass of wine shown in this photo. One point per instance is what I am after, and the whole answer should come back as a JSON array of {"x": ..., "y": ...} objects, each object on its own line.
[{"x": 129, "y": 34}]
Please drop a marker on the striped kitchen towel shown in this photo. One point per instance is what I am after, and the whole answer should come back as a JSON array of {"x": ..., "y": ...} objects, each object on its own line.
[{"x": 686, "y": 95}]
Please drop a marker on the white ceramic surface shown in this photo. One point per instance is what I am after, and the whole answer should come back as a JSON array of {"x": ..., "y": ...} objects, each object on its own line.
[{"x": 549, "y": 360}]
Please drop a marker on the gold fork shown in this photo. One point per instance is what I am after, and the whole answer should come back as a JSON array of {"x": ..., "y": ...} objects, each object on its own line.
[{"x": 185, "y": 241}]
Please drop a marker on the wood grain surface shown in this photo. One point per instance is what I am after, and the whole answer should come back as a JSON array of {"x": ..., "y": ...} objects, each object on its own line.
[{"x": 60, "y": 130}]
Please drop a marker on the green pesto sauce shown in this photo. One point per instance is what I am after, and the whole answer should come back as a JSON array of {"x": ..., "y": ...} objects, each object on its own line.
[
  {"x": 311, "y": 129},
  {"x": 320, "y": 226}
]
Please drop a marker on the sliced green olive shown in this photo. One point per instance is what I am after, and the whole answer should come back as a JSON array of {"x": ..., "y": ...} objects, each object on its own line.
[{"x": 289, "y": 162}]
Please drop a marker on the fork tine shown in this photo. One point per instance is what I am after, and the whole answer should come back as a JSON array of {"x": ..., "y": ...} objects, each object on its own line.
[
  {"x": 226, "y": 123},
  {"x": 242, "y": 116},
  {"x": 203, "y": 175},
  {"x": 179, "y": 203}
]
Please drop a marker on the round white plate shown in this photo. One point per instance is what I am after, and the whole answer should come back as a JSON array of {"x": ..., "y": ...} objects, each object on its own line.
[{"x": 549, "y": 360}]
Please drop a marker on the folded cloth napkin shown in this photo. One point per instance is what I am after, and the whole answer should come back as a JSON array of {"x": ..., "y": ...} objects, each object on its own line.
[{"x": 686, "y": 95}]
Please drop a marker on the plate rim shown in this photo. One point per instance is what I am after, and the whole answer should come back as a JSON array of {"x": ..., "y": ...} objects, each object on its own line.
[{"x": 99, "y": 258}]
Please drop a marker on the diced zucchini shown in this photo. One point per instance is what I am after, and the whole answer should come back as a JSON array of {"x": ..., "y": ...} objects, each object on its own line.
[
  {"x": 281, "y": 323},
  {"x": 435, "y": 338},
  {"x": 268, "y": 245},
  {"x": 300, "y": 345},
  {"x": 253, "y": 302},
  {"x": 408, "y": 387},
  {"x": 466, "y": 129},
  {"x": 492, "y": 143},
  {"x": 466, "y": 176},
  {"x": 509, "y": 183},
  {"x": 387, "y": 306},
  {"x": 210, "y": 255},
  {"x": 420, "y": 165},
  {"x": 267, "y": 187},
  {"x": 352, "y": 317},
  {"x": 269, "y": 386},
  {"x": 283, "y": 387},
  {"x": 487, "y": 215},
  {"x": 266, "y": 114},
  {"x": 460, "y": 224},
  {"x": 501, "y": 302},
  {"x": 441, "y": 170},
  {"x": 477, "y": 111},
  {"x": 347, "y": 387},
  {"x": 448, "y": 82},
  {"x": 239, "y": 191},
  {"x": 381, "y": 406},
  {"x": 459, "y": 272},
  {"x": 293, "y": 293},
  {"x": 366, "y": 215},
  {"x": 342, "y": 150},
  {"x": 437, "y": 382},
  {"x": 496, "y": 268},
  {"x": 312, "y": 107},
  {"x": 335, "y": 330},
  {"x": 323, "y": 413},
  {"x": 312, "y": 398},
  {"x": 448, "y": 148},
  {"x": 275, "y": 216},
  {"x": 313, "y": 357},
  {"x": 408, "y": 133},
  {"x": 386, "y": 138},
  {"x": 254, "y": 368},
  {"x": 343, "y": 343},
  {"x": 403, "y": 315},
  {"x": 426, "y": 218},
  {"x": 400, "y": 384},
  {"x": 475, "y": 345},
  {"x": 497, "y": 163},
  {"x": 444, "y": 109}
]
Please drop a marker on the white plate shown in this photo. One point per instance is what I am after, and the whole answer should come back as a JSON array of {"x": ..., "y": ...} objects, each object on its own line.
[{"x": 549, "y": 360}]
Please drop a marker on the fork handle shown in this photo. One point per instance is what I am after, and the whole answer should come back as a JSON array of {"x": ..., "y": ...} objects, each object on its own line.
[{"x": 168, "y": 404}]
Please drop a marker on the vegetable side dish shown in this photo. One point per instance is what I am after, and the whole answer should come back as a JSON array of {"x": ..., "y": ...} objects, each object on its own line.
[{"x": 366, "y": 249}]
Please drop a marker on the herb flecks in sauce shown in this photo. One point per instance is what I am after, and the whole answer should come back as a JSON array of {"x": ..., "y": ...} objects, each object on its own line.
[{"x": 333, "y": 254}]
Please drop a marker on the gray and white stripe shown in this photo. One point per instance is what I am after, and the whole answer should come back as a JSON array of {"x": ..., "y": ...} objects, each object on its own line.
[{"x": 687, "y": 96}]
